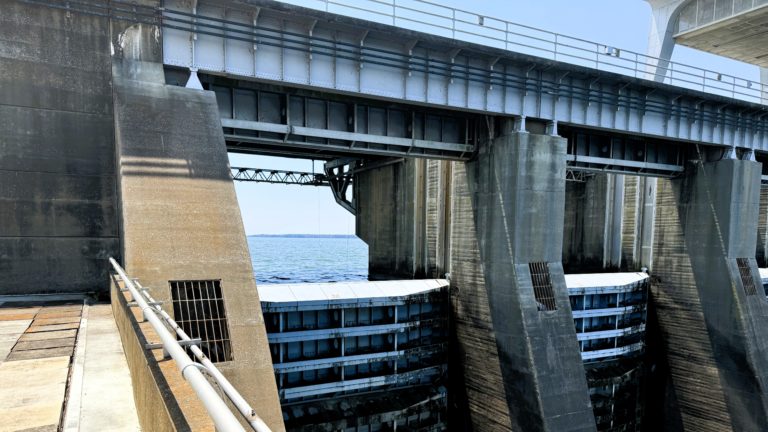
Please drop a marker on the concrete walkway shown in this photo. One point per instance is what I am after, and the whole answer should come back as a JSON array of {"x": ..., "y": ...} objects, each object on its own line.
[
  {"x": 100, "y": 379},
  {"x": 59, "y": 357},
  {"x": 12, "y": 326},
  {"x": 32, "y": 372}
]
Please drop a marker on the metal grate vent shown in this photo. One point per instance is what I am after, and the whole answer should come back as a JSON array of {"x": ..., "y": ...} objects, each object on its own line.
[
  {"x": 542, "y": 286},
  {"x": 746, "y": 276},
  {"x": 198, "y": 308}
]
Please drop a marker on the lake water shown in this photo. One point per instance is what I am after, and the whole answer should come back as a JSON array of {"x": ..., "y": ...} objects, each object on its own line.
[{"x": 308, "y": 259}]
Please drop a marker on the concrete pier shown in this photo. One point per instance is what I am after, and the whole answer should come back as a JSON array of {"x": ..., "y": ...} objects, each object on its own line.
[
  {"x": 402, "y": 214},
  {"x": 515, "y": 360},
  {"x": 391, "y": 219},
  {"x": 709, "y": 307},
  {"x": 593, "y": 221},
  {"x": 609, "y": 223}
]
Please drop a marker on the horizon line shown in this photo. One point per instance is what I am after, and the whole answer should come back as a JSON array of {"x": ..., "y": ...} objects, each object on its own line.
[{"x": 300, "y": 234}]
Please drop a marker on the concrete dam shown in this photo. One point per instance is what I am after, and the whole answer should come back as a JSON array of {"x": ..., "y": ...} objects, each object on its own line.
[{"x": 562, "y": 235}]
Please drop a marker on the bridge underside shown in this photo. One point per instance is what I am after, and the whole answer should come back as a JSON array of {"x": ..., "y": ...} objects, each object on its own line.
[
  {"x": 739, "y": 35},
  {"x": 274, "y": 120}
]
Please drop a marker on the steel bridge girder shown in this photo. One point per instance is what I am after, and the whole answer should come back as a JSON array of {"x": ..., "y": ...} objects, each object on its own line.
[{"x": 333, "y": 58}]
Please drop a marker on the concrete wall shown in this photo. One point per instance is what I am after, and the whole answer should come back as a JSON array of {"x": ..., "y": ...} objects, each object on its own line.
[
  {"x": 638, "y": 223},
  {"x": 518, "y": 368},
  {"x": 710, "y": 335},
  {"x": 631, "y": 216},
  {"x": 58, "y": 206},
  {"x": 402, "y": 216},
  {"x": 391, "y": 219},
  {"x": 593, "y": 224},
  {"x": 584, "y": 226},
  {"x": 438, "y": 215},
  {"x": 609, "y": 223},
  {"x": 180, "y": 216}
]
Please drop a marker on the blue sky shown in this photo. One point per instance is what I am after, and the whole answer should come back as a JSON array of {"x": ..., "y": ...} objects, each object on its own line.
[{"x": 281, "y": 209}]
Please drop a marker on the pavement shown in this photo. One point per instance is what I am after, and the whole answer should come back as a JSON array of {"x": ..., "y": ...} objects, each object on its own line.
[{"x": 62, "y": 367}]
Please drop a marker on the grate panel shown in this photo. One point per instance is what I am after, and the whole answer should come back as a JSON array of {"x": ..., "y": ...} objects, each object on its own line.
[
  {"x": 746, "y": 276},
  {"x": 542, "y": 286},
  {"x": 198, "y": 307}
]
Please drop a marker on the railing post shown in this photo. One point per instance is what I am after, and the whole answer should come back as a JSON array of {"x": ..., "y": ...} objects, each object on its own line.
[
  {"x": 394, "y": 11},
  {"x": 597, "y": 56},
  {"x": 506, "y": 35},
  {"x": 556, "y": 46},
  {"x": 671, "y": 70},
  {"x": 453, "y": 23},
  {"x": 636, "y": 65}
]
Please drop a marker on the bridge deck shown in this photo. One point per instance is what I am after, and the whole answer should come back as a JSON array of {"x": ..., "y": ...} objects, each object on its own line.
[{"x": 595, "y": 87}]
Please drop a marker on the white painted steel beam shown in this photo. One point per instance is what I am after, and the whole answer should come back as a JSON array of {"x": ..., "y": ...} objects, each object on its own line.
[
  {"x": 612, "y": 352},
  {"x": 362, "y": 383},
  {"x": 351, "y": 360},
  {"x": 332, "y": 56},
  {"x": 590, "y": 313},
  {"x": 310, "y": 335},
  {"x": 359, "y": 139},
  {"x": 610, "y": 333}
]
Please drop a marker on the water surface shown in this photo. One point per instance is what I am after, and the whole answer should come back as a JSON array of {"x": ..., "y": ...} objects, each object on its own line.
[{"x": 289, "y": 259}]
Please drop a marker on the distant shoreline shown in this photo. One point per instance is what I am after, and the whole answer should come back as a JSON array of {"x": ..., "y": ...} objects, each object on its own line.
[{"x": 305, "y": 235}]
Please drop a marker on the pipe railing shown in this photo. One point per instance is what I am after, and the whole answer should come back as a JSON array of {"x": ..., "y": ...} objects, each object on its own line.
[
  {"x": 192, "y": 371},
  {"x": 430, "y": 17}
]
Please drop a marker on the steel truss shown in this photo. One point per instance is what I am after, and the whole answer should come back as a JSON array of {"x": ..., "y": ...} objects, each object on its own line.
[{"x": 259, "y": 175}]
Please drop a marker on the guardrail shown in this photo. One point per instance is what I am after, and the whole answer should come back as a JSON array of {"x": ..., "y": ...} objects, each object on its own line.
[
  {"x": 223, "y": 418},
  {"x": 434, "y": 18}
]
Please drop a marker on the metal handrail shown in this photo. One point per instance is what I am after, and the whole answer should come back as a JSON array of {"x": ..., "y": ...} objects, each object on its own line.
[
  {"x": 222, "y": 416},
  {"x": 427, "y": 16}
]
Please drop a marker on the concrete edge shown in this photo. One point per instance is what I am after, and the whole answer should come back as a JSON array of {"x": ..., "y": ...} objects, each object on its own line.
[
  {"x": 71, "y": 418},
  {"x": 156, "y": 406},
  {"x": 43, "y": 298}
]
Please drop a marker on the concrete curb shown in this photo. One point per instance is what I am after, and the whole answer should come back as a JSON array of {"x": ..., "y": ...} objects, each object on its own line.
[{"x": 71, "y": 421}]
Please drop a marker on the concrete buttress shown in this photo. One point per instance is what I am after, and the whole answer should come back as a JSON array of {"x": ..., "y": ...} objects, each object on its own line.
[
  {"x": 709, "y": 310},
  {"x": 181, "y": 221},
  {"x": 514, "y": 364}
]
